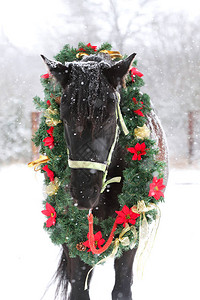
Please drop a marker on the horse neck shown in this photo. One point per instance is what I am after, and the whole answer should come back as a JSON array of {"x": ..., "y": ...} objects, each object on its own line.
[
  {"x": 108, "y": 203},
  {"x": 117, "y": 163}
]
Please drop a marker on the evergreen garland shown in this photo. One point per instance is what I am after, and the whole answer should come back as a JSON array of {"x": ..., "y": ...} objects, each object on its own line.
[{"x": 70, "y": 224}]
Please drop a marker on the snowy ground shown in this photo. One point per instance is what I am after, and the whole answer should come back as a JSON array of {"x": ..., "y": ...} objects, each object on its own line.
[{"x": 28, "y": 259}]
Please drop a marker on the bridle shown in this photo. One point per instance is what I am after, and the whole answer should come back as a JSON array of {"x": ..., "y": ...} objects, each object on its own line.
[{"x": 77, "y": 164}]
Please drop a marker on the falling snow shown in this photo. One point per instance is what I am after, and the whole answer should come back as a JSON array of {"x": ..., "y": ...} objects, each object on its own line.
[{"x": 174, "y": 262}]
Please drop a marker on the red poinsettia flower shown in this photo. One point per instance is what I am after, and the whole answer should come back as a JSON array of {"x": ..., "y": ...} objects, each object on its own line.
[
  {"x": 45, "y": 76},
  {"x": 126, "y": 216},
  {"x": 50, "y": 173},
  {"x": 92, "y": 47},
  {"x": 48, "y": 102},
  {"x": 155, "y": 188},
  {"x": 50, "y": 212},
  {"x": 98, "y": 241},
  {"x": 138, "y": 151},
  {"x": 49, "y": 141},
  {"x": 134, "y": 71},
  {"x": 139, "y": 112}
]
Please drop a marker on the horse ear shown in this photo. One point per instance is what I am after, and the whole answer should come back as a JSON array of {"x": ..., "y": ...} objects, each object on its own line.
[
  {"x": 58, "y": 70},
  {"x": 116, "y": 73}
]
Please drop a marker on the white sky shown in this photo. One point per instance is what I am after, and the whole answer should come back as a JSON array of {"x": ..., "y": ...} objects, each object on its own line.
[{"x": 23, "y": 20}]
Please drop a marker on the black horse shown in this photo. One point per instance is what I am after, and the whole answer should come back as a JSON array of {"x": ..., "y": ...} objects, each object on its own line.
[{"x": 88, "y": 110}]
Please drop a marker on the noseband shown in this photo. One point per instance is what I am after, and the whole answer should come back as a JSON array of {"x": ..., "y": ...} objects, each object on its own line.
[{"x": 76, "y": 164}]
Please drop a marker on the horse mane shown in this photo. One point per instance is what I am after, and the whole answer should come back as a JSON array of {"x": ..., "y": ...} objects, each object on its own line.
[{"x": 85, "y": 98}]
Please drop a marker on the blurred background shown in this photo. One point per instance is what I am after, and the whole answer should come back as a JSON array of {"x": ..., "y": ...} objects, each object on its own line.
[
  {"x": 166, "y": 37},
  {"x": 164, "y": 34}
]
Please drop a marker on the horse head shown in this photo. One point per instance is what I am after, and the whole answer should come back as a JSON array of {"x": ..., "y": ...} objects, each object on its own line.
[{"x": 88, "y": 110}]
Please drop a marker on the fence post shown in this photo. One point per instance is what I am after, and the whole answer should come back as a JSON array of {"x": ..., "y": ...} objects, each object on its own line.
[
  {"x": 190, "y": 134},
  {"x": 35, "y": 118}
]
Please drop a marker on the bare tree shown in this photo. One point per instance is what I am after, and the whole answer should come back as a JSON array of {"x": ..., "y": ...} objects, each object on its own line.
[{"x": 126, "y": 20}]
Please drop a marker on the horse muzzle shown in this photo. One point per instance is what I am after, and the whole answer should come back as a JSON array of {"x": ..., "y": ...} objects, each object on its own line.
[
  {"x": 85, "y": 188},
  {"x": 85, "y": 198}
]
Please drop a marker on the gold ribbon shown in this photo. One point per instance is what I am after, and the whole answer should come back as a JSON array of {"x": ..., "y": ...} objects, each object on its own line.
[
  {"x": 112, "y": 180},
  {"x": 142, "y": 132},
  {"x": 50, "y": 121},
  {"x": 76, "y": 164},
  {"x": 146, "y": 237},
  {"x": 119, "y": 113},
  {"x": 125, "y": 241},
  {"x": 36, "y": 163},
  {"x": 113, "y": 54},
  {"x": 78, "y": 55}
]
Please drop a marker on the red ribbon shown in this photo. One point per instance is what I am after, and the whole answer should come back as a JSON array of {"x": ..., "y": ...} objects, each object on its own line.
[{"x": 91, "y": 237}]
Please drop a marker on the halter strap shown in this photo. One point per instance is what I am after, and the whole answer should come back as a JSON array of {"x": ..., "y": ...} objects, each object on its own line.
[
  {"x": 76, "y": 164},
  {"x": 119, "y": 114}
]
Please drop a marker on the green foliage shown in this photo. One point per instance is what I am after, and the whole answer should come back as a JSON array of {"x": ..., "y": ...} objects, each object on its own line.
[
  {"x": 66, "y": 54},
  {"x": 39, "y": 104},
  {"x": 71, "y": 224},
  {"x": 105, "y": 46}
]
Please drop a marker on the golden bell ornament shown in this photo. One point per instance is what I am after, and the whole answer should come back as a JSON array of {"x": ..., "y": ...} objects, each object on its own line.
[{"x": 53, "y": 186}]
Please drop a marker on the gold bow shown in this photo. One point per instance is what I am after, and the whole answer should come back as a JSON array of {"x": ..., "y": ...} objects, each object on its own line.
[
  {"x": 50, "y": 121},
  {"x": 36, "y": 163},
  {"x": 125, "y": 241},
  {"x": 113, "y": 54},
  {"x": 146, "y": 237}
]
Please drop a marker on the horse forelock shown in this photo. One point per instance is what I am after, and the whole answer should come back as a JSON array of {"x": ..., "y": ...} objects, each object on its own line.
[{"x": 88, "y": 92}]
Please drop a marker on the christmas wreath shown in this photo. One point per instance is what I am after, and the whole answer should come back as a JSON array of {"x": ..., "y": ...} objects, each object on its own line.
[{"x": 143, "y": 178}]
